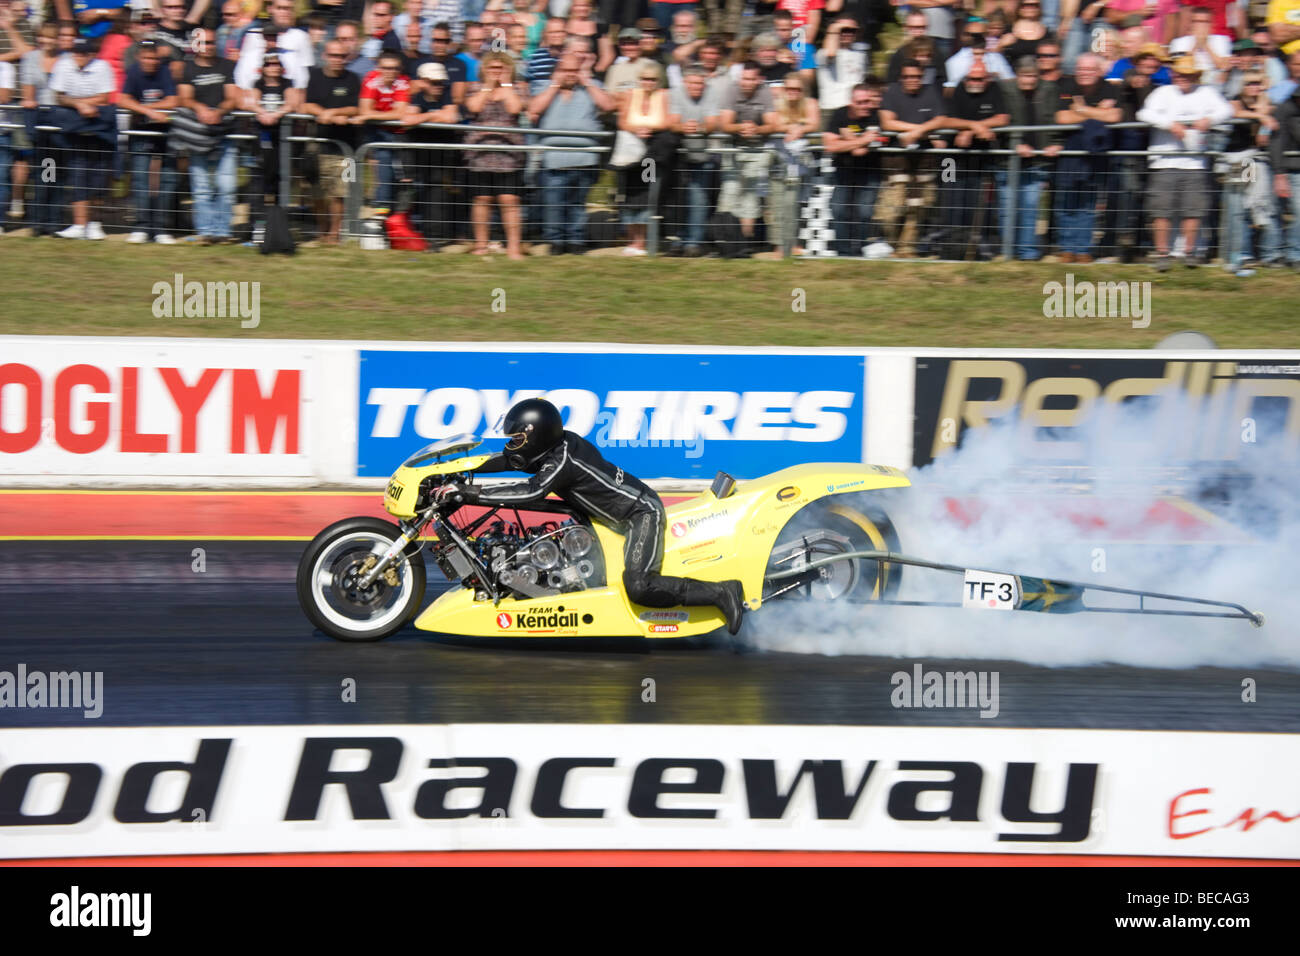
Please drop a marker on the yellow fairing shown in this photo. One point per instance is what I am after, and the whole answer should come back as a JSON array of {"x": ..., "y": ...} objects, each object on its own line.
[
  {"x": 705, "y": 538},
  {"x": 404, "y": 487}
]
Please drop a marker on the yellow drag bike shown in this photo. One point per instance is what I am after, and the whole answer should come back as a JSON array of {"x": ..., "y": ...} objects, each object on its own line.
[
  {"x": 548, "y": 571},
  {"x": 816, "y": 532}
]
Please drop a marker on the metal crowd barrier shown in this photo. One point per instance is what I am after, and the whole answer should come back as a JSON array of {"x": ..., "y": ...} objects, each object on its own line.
[{"x": 797, "y": 199}]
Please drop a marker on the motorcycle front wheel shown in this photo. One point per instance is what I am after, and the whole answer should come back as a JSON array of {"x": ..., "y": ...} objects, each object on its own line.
[{"x": 328, "y": 588}]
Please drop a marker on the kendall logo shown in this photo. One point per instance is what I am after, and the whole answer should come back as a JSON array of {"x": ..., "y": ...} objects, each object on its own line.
[
  {"x": 503, "y": 620},
  {"x": 682, "y": 528},
  {"x": 547, "y": 620}
]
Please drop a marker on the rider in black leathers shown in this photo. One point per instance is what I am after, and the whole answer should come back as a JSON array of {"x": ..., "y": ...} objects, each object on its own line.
[{"x": 569, "y": 466}]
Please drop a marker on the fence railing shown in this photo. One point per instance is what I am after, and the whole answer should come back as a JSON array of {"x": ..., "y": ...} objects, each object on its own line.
[{"x": 948, "y": 202}]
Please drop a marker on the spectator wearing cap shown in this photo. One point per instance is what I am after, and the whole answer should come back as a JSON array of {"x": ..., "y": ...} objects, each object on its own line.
[
  {"x": 974, "y": 48},
  {"x": 842, "y": 63},
  {"x": 1181, "y": 116},
  {"x": 572, "y": 101},
  {"x": 625, "y": 75},
  {"x": 1286, "y": 168},
  {"x": 693, "y": 114},
  {"x": 385, "y": 94},
  {"x": 915, "y": 112},
  {"x": 433, "y": 172},
  {"x": 148, "y": 91},
  {"x": 537, "y": 73},
  {"x": 273, "y": 97},
  {"x": 749, "y": 115},
  {"x": 851, "y": 138},
  {"x": 207, "y": 95},
  {"x": 296, "y": 55},
  {"x": 89, "y": 133},
  {"x": 1246, "y": 58},
  {"x": 1030, "y": 101},
  {"x": 333, "y": 96},
  {"x": 1160, "y": 75}
]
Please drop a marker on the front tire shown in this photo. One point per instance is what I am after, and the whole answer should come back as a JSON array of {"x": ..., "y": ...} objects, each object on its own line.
[{"x": 327, "y": 589}]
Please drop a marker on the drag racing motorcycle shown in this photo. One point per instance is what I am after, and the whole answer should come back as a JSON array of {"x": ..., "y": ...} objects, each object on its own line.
[{"x": 816, "y": 532}]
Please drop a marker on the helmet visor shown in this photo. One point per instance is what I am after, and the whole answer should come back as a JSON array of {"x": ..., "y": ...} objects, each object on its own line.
[{"x": 518, "y": 439}]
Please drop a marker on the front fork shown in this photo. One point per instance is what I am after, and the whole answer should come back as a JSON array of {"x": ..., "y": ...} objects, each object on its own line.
[{"x": 410, "y": 531}]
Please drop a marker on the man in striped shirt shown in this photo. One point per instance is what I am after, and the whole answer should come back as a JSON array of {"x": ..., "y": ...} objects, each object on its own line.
[{"x": 542, "y": 63}]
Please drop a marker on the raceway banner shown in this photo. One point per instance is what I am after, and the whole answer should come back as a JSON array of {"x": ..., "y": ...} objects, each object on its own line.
[
  {"x": 154, "y": 408},
  {"x": 659, "y": 414},
  {"x": 1198, "y": 412},
  {"x": 181, "y": 790}
]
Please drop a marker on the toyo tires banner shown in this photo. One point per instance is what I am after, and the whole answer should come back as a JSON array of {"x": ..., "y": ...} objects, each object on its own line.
[{"x": 659, "y": 414}]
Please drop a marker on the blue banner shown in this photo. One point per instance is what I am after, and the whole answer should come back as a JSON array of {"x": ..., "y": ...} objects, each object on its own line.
[{"x": 656, "y": 415}]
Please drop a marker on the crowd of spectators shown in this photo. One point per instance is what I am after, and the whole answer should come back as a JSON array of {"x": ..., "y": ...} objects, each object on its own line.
[{"x": 717, "y": 116}]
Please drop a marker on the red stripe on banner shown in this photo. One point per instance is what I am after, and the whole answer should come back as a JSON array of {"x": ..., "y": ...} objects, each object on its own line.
[
  {"x": 188, "y": 514},
  {"x": 645, "y": 858}
]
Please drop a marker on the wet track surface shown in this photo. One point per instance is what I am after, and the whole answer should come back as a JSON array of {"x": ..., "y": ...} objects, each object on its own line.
[{"x": 230, "y": 645}]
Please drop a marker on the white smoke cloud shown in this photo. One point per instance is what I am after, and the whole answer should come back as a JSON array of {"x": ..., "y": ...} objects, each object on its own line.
[{"x": 1131, "y": 465}]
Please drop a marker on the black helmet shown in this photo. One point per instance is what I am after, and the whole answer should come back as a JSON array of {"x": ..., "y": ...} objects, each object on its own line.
[{"x": 533, "y": 427}]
